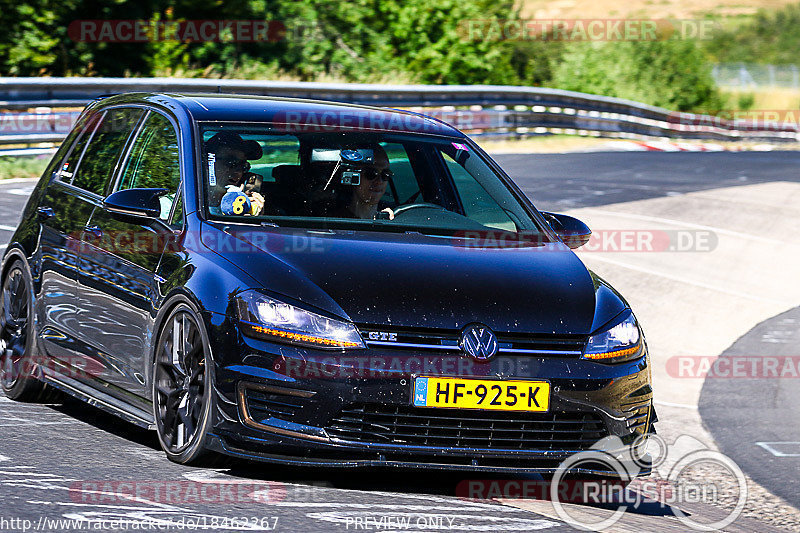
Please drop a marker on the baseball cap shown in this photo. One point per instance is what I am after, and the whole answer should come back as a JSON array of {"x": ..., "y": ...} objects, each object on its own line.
[{"x": 229, "y": 139}]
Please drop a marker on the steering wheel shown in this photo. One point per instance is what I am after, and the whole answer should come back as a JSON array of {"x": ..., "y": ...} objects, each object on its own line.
[{"x": 408, "y": 207}]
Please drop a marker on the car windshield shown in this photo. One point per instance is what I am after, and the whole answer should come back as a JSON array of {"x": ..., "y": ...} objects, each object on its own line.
[{"x": 364, "y": 180}]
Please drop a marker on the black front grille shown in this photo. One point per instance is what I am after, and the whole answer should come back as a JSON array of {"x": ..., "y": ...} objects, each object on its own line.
[
  {"x": 444, "y": 428},
  {"x": 442, "y": 340},
  {"x": 263, "y": 404},
  {"x": 636, "y": 415}
]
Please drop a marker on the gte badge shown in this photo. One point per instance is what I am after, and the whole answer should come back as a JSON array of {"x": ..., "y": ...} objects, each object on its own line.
[{"x": 382, "y": 336}]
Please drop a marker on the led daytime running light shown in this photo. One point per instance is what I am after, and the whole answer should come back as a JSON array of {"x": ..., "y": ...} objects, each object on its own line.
[
  {"x": 288, "y": 335},
  {"x": 615, "y": 353}
]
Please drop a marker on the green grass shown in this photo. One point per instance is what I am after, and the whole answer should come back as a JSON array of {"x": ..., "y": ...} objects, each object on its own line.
[{"x": 22, "y": 167}]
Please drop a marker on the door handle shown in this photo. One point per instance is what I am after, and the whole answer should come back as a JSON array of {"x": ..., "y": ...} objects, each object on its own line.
[
  {"x": 45, "y": 213},
  {"x": 94, "y": 231}
]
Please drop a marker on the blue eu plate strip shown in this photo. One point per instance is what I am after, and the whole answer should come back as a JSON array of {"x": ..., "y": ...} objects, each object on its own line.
[{"x": 420, "y": 391}]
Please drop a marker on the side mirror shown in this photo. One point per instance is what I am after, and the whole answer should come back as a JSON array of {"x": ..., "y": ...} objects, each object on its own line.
[
  {"x": 570, "y": 230},
  {"x": 135, "y": 203}
]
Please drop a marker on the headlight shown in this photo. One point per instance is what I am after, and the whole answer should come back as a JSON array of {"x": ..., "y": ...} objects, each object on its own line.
[
  {"x": 619, "y": 343},
  {"x": 267, "y": 318}
]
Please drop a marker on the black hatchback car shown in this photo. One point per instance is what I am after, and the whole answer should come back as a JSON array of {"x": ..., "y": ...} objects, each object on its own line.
[{"x": 313, "y": 283}]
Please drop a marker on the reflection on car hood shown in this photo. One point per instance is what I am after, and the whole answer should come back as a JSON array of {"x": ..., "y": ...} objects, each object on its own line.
[{"x": 420, "y": 281}]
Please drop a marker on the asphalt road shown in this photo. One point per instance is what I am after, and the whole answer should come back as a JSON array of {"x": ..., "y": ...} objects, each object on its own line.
[
  {"x": 565, "y": 181},
  {"x": 755, "y": 418},
  {"x": 70, "y": 461}
]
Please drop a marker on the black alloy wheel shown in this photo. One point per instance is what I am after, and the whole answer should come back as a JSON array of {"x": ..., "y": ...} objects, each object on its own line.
[
  {"x": 18, "y": 364},
  {"x": 182, "y": 391}
]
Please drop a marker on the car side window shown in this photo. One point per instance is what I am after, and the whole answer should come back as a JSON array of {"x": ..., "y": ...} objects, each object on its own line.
[
  {"x": 67, "y": 170},
  {"x": 99, "y": 160},
  {"x": 478, "y": 203},
  {"x": 154, "y": 162},
  {"x": 177, "y": 212}
]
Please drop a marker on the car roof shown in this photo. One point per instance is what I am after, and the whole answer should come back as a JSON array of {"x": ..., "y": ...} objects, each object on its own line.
[{"x": 295, "y": 112}]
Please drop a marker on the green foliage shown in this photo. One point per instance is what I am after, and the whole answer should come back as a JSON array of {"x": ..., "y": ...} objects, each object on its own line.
[
  {"x": 371, "y": 41},
  {"x": 746, "y": 101},
  {"x": 22, "y": 167},
  {"x": 534, "y": 62},
  {"x": 377, "y": 40},
  {"x": 669, "y": 73},
  {"x": 770, "y": 37}
]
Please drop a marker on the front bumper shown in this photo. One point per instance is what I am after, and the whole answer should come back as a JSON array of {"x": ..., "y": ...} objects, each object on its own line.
[{"x": 305, "y": 407}]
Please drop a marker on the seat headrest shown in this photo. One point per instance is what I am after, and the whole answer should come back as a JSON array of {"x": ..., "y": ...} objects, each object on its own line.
[{"x": 285, "y": 174}]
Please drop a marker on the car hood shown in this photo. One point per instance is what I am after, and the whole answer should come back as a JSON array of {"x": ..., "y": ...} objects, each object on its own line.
[{"x": 421, "y": 281}]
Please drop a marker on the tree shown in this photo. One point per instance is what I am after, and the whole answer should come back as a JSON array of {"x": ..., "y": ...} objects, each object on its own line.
[{"x": 670, "y": 73}]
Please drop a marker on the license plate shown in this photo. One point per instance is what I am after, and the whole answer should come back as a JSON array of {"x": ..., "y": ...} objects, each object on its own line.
[{"x": 482, "y": 394}]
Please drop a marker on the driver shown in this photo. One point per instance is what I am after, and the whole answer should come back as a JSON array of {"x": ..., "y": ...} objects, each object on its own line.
[
  {"x": 231, "y": 155},
  {"x": 362, "y": 201}
]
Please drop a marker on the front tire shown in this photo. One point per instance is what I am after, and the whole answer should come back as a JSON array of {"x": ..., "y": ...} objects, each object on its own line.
[
  {"x": 182, "y": 387},
  {"x": 18, "y": 362}
]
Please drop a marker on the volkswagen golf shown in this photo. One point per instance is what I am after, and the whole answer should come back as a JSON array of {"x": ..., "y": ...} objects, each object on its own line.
[{"x": 313, "y": 283}]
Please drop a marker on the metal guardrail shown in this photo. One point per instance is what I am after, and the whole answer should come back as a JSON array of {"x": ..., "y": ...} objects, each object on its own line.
[{"x": 477, "y": 109}]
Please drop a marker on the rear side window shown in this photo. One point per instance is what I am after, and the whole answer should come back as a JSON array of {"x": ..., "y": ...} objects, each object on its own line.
[
  {"x": 154, "y": 161},
  {"x": 100, "y": 157},
  {"x": 70, "y": 163}
]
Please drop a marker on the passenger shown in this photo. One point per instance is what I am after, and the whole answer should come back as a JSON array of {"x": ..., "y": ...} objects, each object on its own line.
[
  {"x": 313, "y": 195},
  {"x": 362, "y": 201},
  {"x": 231, "y": 167}
]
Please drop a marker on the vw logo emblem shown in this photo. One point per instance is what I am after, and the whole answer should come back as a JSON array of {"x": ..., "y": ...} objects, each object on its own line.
[
  {"x": 479, "y": 342},
  {"x": 351, "y": 155}
]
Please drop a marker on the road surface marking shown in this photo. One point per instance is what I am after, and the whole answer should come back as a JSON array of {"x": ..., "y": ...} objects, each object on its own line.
[
  {"x": 773, "y": 448},
  {"x": 18, "y": 180},
  {"x": 34, "y": 474},
  {"x": 681, "y": 223},
  {"x": 670, "y": 404},
  {"x": 20, "y": 192},
  {"x": 692, "y": 282}
]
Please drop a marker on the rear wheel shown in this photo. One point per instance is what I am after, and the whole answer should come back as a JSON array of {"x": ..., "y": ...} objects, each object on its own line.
[
  {"x": 18, "y": 363},
  {"x": 182, "y": 391}
]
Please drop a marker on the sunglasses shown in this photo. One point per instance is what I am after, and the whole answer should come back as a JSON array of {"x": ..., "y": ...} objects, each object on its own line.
[
  {"x": 373, "y": 173},
  {"x": 234, "y": 163}
]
